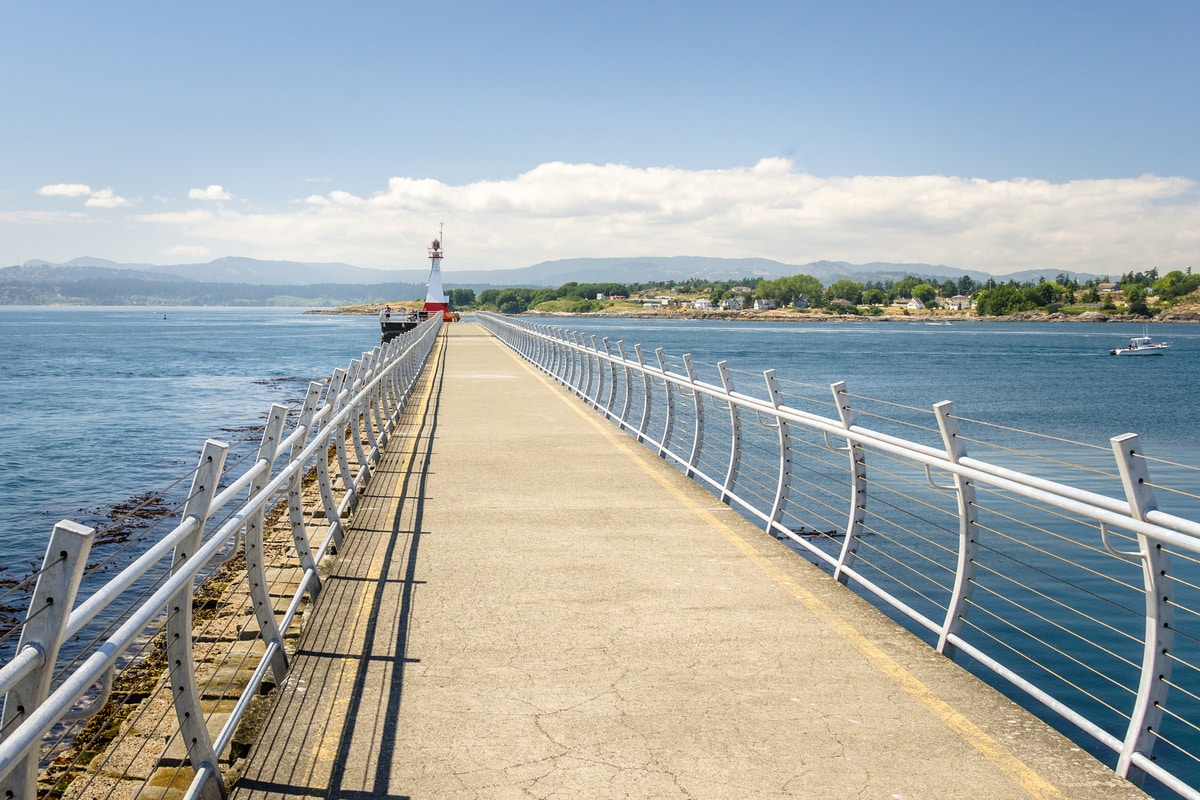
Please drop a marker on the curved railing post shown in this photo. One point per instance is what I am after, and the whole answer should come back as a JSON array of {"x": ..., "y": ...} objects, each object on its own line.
[
  {"x": 355, "y": 381},
  {"x": 181, "y": 667},
  {"x": 44, "y": 630},
  {"x": 647, "y": 394},
  {"x": 295, "y": 499},
  {"x": 698, "y": 411},
  {"x": 669, "y": 418},
  {"x": 582, "y": 365},
  {"x": 1160, "y": 617},
  {"x": 338, "y": 390},
  {"x": 858, "y": 485},
  {"x": 611, "y": 368},
  {"x": 378, "y": 432},
  {"x": 256, "y": 566},
  {"x": 628, "y": 399},
  {"x": 571, "y": 360},
  {"x": 968, "y": 545},
  {"x": 324, "y": 477},
  {"x": 555, "y": 364},
  {"x": 783, "y": 487},
  {"x": 594, "y": 375},
  {"x": 735, "y": 433}
]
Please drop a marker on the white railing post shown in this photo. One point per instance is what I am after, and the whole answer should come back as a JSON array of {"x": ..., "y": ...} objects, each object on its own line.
[
  {"x": 593, "y": 371},
  {"x": 372, "y": 419},
  {"x": 858, "y": 485},
  {"x": 43, "y": 630},
  {"x": 555, "y": 366},
  {"x": 324, "y": 478},
  {"x": 340, "y": 387},
  {"x": 783, "y": 487},
  {"x": 256, "y": 574},
  {"x": 181, "y": 667},
  {"x": 577, "y": 360},
  {"x": 669, "y": 389},
  {"x": 356, "y": 382},
  {"x": 647, "y": 394},
  {"x": 628, "y": 399},
  {"x": 698, "y": 411},
  {"x": 566, "y": 339},
  {"x": 1160, "y": 617},
  {"x": 612, "y": 379},
  {"x": 735, "y": 432},
  {"x": 295, "y": 483},
  {"x": 968, "y": 525}
]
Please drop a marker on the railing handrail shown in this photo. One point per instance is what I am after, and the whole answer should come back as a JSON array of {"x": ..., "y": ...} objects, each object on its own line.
[
  {"x": 380, "y": 383},
  {"x": 570, "y": 359}
]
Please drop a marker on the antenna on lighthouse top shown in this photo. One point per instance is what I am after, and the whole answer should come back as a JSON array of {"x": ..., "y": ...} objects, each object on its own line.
[{"x": 435, "y": 250}]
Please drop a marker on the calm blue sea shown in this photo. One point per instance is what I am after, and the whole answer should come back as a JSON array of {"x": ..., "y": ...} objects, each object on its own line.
[
  {"x": 1055, "y": 378},
  {"x": 101, "y": 404}
]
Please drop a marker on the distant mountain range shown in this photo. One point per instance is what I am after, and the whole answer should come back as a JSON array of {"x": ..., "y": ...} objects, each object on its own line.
[{"x": 546, "y": 274}]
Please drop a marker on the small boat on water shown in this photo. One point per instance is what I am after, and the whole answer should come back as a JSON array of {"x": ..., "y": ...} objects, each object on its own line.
[{"x": 1141, "y": 346}]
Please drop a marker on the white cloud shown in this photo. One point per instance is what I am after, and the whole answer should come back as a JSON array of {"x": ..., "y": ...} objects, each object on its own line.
[
  {"x": 213, "y": 192},
  {"x": 65, "y": 190},
  {"x": 100, "y": 198},
  {"x": 104, "y": 198},
  {"x": 772, "y": 210}
]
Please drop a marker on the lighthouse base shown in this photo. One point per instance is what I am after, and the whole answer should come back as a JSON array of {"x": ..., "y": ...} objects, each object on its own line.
[{"x": 433, "y": 308}]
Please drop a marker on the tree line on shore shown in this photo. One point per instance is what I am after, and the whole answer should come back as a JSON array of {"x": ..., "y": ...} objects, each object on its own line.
[{"x": 1142, "y": 293}]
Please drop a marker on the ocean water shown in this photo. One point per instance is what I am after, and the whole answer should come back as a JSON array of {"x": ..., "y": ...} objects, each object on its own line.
[
  {"x": 103, "y": 404},
  {"x": 1053, "y": 378}
]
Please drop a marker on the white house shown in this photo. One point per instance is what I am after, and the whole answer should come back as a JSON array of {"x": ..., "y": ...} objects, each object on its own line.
[
  {"x": 763, "y": 304},
  {"x": 960, "y": 302},
  {"x": 915, "y": 304},
  {"x": 702, "y": 304}
]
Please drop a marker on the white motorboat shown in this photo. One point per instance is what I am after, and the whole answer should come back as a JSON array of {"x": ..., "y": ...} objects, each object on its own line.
[{"x": 1141, "y": 346}]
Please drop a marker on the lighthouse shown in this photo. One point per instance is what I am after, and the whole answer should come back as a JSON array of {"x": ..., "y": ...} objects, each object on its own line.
[{"x": 435, "y": 298}]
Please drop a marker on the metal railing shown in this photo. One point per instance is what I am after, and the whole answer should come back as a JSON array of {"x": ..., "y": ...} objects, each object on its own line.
[
  {"x": 338, "y": 433},
  {"x": 1057, "y": 573}
]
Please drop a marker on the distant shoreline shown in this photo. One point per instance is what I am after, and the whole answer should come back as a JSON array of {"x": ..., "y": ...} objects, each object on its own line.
[{"x": 1189, "y": 315}]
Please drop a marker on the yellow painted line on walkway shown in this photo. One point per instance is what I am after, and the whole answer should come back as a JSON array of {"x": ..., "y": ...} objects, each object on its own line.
[
  {"x": 325, "y": 751},
  {"x": 1017, "y": 770}
]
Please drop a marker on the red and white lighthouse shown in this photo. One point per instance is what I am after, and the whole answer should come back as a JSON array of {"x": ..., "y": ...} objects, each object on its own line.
[{"x": 435, "y": 298}]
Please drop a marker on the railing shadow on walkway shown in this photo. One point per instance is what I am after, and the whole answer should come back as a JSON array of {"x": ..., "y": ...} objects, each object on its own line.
[{"x": 379, "y": 559}]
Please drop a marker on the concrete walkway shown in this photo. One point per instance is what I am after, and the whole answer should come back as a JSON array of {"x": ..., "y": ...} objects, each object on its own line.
[{"x": 530, "y": 605}]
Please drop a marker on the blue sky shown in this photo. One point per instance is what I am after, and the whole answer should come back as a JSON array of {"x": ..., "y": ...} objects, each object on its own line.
[{"x": 985, "y": 135}]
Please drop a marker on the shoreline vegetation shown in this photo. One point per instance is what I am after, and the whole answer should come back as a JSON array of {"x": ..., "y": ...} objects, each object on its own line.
[
  {"x": 1189, "y": 313},
  {"x": 1137, "y": 297}
]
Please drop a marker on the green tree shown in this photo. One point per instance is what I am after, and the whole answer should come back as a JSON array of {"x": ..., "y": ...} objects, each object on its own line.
[
  {"x": 461, "y": 298},
  {"x": 784, "y": 290},
  {"x": 874, "y": 297},
  {"x": 904, "y": 286},
  {"x": 846, "y": 289},
  {"x": 1004, "y": 299},
  {"x": 925, "y": 293},
  {"x": 1135, "y": 298}
]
